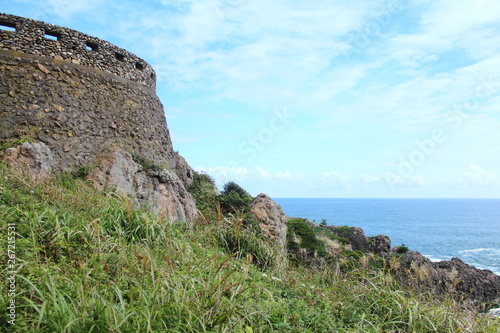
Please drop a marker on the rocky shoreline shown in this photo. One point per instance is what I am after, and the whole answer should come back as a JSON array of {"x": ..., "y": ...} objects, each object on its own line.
[{"x": 474, "y": 287}]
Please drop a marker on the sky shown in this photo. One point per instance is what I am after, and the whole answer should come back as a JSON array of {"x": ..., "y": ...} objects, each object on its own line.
[{"x": 331, "y": 99}]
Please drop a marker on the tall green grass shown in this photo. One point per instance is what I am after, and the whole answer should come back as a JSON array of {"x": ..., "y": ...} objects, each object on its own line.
[{"x": 90, "y": 262}]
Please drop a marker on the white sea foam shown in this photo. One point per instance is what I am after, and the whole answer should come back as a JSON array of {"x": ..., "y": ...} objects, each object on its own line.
[
  {"x": 473, "y": 257},
  {"x": 495, "y": 312},
  {"x": 435, "y": 258},
  {"x": 480, "y": 250}
]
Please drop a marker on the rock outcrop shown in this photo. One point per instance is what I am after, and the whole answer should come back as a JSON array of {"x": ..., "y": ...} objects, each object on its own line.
[
  {"x": 272, "y": 220},
  {"x": 81, "y": 98},
  {"x": 158, "y": 188},
  {"x": 380, "y": 244},
  {"x": 36, "y": 157},
  {"x": 478, "y": 287}
]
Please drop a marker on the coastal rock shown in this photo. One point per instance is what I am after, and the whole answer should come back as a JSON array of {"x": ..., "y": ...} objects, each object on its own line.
[
  {"x": 272, "y": 220},
  {"x": 183, "y": 170},
  {"x": 478, "y": 287},
  {"x": 37, "y": 157},
  {"x": 380, "y": 244},
  {"x": 355, "y": 235},
  {"x": 160, "y": 190}
]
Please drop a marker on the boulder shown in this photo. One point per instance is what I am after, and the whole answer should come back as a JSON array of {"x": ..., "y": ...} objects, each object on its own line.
[
  {"x": 380, "y": 244},
  {"x": 160, "y": 190},
  {"x": 272, "y": 220},
  {"x": 36, "y": 157},
  {"x": 355, "y": 235},
  {"x": 478, "y": 287}
]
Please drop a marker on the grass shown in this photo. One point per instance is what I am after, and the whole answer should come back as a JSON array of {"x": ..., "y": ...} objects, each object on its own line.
[{"x": 89, "y": 262}]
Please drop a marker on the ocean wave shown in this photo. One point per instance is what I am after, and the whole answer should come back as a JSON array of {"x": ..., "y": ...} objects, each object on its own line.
[
  {"x": 482, "y": 258},
  {"x": 492, "y": 250},
  {"x": 435, "y": 258}
]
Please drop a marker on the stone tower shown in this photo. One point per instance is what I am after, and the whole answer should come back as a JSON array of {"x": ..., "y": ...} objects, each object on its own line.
[{"x": 91, "y": 103}]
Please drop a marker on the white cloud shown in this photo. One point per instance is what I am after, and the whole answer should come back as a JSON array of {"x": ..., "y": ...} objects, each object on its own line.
[
  {"x": 478, "y": 177},
  {"x": 224, "y": 174},
  {"x": 63, "y": 8},
  {"x": 336, "y": 179},
  {"x": 450, "y": 25},
  {"x": 394, "y": 181},
  {"x": 412, "y": 70},
  {"x": 369, "y": 179}
]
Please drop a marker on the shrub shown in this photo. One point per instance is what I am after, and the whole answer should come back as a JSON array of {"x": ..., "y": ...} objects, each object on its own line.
[
  {"x": 306, "y": 235},
  {"x": 205, "y": 194},
  {"x": 402, "y": 249},
  {"x": 83, "y": 171},
  {"x": 345, "y": 230},
  {"x": 234, "y": 199},
  {"x": 329, "y": 234}
]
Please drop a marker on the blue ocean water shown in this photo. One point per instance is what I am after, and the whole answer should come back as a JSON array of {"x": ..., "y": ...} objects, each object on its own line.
[{"x": 438, "y": 228}]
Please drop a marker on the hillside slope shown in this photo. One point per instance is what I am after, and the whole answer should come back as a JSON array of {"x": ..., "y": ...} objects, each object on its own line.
[{"x": 87, "y": 261}]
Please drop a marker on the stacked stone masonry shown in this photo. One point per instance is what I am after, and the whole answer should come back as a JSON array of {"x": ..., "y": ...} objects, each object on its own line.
[
  {"x": 24, "y": 35},
  {"x": 80, "y": 102},
  {"x": 79, "y": 113},
  {"x": 89, "y": 103}
]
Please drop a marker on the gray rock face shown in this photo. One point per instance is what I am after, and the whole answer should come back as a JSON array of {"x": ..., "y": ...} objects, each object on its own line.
[
  {"x": 161, "y": 190},
  {"x": 380, "y": 244},
  {"x": 479, "y": 287},
  {"x": 359, "y": 242},
  {"x": 37, "y": 157},
  {"x": 272, "y": 220}
]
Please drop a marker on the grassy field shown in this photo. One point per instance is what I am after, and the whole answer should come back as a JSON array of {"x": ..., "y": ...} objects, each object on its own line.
[{"x": 87, "y": 261}]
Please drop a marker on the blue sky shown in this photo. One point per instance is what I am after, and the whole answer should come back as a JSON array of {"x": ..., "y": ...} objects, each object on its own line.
[{"x": 317, "y": 99}]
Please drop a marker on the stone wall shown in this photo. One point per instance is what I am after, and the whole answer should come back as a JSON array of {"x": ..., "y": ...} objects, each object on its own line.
[
  {"x": 38, "y": 38},
  {"x": 90, "y": 108},
  {"x": 78, "y": 112}
]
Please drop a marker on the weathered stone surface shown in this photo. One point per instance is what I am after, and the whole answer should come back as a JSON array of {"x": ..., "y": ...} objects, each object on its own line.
[
  {"x": 380, "y": 244},
  {"x": 87, "y": 119},
  {"x": 80, "y": 96},
  {"x": 30, "y": 37},
  {"x": 272, "y": 220},
  {"x": 359, "y": 242},
  {"x": 479, "y": 287},
  {"x": 161, "y": 190},
  {"x": 37, "y": 157}
]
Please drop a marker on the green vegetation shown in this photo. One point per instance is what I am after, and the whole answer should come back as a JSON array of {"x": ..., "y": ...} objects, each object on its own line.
[
  {"x": 330, "y": 235},
  {"x": 301, "y": 235},
  {"x": 83, "y": 171},
  {"x": 345, "y": 230},
  {"x": 88, "y": 261},
  {"x": 205, "y": 194},
  {"x": 402, "y": 249},
  {"x": 5, "y": 144},
  {"x": 234, "y": 199},
  {"x": 147, "y": 164}
]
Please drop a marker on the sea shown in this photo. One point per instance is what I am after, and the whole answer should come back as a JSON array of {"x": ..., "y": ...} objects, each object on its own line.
[{"x": 437, "y": 228}]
